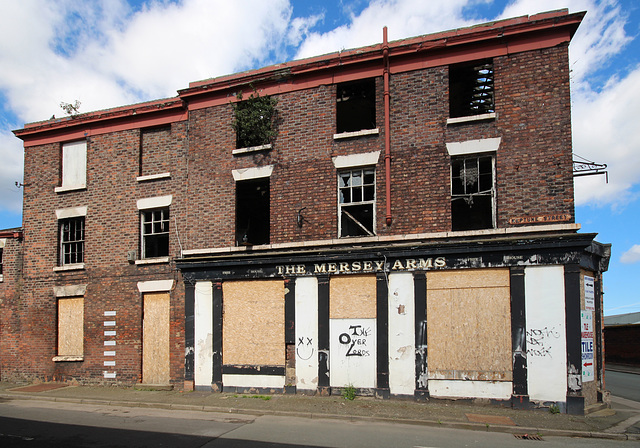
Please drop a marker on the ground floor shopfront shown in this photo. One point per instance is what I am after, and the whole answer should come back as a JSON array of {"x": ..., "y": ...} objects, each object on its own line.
[{"x": 511, "y": 318}]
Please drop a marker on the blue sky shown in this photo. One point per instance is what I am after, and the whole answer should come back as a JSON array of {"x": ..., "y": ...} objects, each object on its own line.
[{"x": 108, "y": 53}]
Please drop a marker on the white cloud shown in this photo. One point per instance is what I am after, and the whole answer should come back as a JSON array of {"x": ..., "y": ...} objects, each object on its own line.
[
  {"x": 631, "y": 256},
  {"x": 12, "y": 156},
  {"x": 403, "y": 18},
  {"x": 605, "y": 130}
]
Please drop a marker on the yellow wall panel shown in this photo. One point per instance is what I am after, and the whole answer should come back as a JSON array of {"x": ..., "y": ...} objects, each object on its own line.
[
  {"x": 469, "y": 324},
  {"x": 155, "y": 339},
  {"x": 253, "y": 323},
  {"x": 71, "y": 327},
  {"x": 352, "y": 297}
]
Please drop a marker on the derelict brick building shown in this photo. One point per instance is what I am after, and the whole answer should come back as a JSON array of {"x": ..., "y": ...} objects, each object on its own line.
[{"x": 403, "y": 222}]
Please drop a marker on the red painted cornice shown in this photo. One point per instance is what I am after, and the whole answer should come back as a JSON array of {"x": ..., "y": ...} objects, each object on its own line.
[
  {"x": 152, "y": 113},
  {"x": 11, "y": 233},
  {"x": 464, "y": 44}
]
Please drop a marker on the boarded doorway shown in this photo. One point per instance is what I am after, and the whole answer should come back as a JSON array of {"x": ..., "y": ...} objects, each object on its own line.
[{"x": 155, "y": 339}]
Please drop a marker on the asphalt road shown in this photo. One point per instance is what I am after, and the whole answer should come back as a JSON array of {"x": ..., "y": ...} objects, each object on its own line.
[
  {"x": 31, "y": 423},
  {"x": 624, "y": 385}
]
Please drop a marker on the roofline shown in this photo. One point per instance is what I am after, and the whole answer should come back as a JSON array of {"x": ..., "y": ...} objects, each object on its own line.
[
  {"x": 474, "y": 42},
  {"x": 461, "y": 36}
]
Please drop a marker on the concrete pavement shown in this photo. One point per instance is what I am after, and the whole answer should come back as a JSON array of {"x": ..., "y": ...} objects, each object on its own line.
[{"x": 619, "y": 423}]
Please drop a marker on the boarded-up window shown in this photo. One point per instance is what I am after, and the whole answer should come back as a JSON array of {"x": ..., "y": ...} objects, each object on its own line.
[
  {"x": 469, "y": 325},
  {"x": 71, "y": 326},
  {"x": 155, "y": 150},
  {"x": 74, "y": 165},
  {"x": 353, "y": 297},
  {"x": 253, "y": 323}
]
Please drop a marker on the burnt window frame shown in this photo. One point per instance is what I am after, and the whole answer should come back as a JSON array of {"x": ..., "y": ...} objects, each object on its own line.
[
  {"x": 146, "y": 238},
  {"x": 365, "y": 195},
  {"x": 363, "y": 91},
  {"x": 71, "y": 251},
  {"x": 250, "y": 206},
  {"x": 469, "y": 192},
  {"x": 472, "y": 92}
]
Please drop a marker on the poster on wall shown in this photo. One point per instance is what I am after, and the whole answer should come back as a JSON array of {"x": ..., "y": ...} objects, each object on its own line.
[
  {"x": 586, "y": 319},
  {"x": 589, "y": 294}
]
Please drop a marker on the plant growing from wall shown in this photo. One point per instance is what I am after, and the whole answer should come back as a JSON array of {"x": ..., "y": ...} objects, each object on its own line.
[{"x": 254, "y": 120}]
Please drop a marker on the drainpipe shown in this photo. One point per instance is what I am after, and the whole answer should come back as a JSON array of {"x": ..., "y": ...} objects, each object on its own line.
[{"x": 387, "y": 123}]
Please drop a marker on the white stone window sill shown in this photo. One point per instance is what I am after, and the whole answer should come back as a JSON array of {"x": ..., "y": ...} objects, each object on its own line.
[
  {"x": 471, "y": 118},
  {"x": 68, "y": 358},
  {"x": 65, "y": 188},
  {"x": 149, "y": 177},
  {"x": 153, "y": 260},
  {"x": 1, "y": 278},
  {"x": 361, "y": 133},
  {"x": 69, "y": 267},
  {"x": 239, "y": 151}
]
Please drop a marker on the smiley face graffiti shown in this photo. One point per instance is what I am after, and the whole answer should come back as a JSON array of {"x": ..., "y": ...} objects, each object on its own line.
[{"x": 304, "y": 350}]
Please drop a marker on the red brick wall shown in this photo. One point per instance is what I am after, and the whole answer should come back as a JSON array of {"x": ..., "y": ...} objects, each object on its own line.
[
  {"x": 534, "y": 177},
  {"x": 112, "y": 229}
]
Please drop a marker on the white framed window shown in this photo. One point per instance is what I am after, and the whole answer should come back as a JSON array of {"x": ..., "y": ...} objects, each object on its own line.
[
  {"x": 473, "y": 192},
  {"x": 73, "y": 166},
  {"x": 356, "y": 202},
  {"x": 71, "y": 241},
  {"x": 154, "y": 228}
]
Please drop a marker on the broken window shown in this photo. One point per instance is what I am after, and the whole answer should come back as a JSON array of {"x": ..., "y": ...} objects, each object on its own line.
[
  {"x": 472, "y": 192},
  {"x": 252, "y": 212},
  {"x": 71, "y": 241},
  {"x": 155, "y": 233},
  {"x": 356, "y": 106},
  {"x": 471, "y": 89},
  {"x": 356, "y": 202}
]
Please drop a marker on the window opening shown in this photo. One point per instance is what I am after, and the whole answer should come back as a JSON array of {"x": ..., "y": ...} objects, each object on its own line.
[
  {"x": 1, "y": 262},
  {"x": 356, "y": 196},
  {"x": 471, "y": 89},
  {"x": 472, "y": 193},
  {"x": 356, "y": 106},
  {"x": 252, "y": 212},
  {"x": 72, "y": 241},
  {"x": 255, "y": 120},
  {"x": 155, "y": 233}
]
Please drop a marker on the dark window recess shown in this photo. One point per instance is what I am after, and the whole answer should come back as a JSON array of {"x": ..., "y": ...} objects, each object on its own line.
[
  {"x": 252, "y": 212},
  {"x": 472, "y": 193},
  {"x": 155, "y": 233},
  {"x": 356, "y": 195},
  {"x": 471, "y": 89},
  {"x": 72, "y": 241},
  {"x": 356, "y": 106},
  {"x": 1, "y": 249}
]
